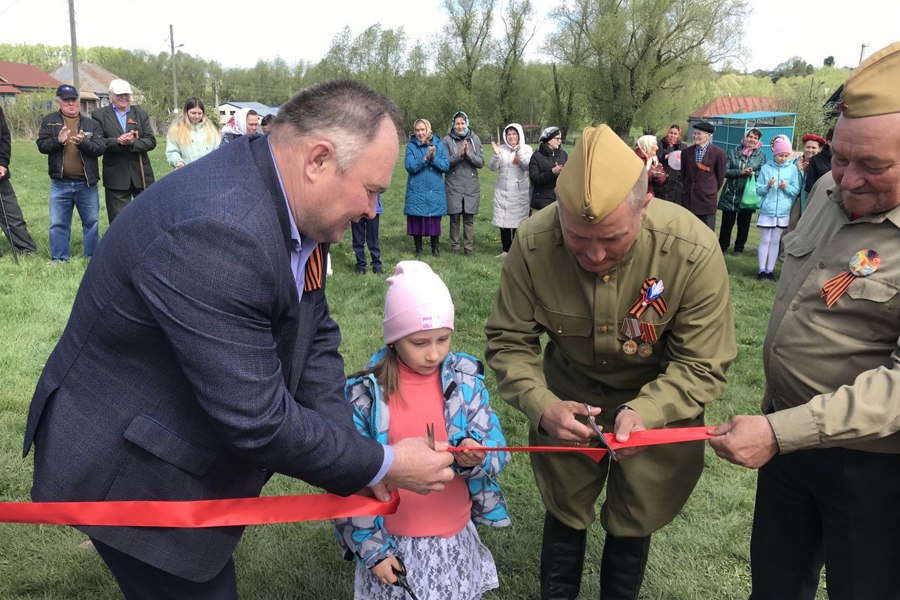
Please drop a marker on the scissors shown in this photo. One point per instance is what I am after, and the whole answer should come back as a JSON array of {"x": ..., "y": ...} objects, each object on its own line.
[
  {"x": 401, "y": 579},
  {"x": 429, "y": 434},
  {"x": 603, "y": 442}
]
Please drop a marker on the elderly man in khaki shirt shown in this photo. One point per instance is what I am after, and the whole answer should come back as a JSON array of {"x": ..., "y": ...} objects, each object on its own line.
[
  {"x": 829, "y": 446},
  {"x": 632, "y": 294}
]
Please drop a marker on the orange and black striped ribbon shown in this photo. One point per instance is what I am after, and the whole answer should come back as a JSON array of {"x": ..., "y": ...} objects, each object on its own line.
[
  {"x": 835, "y": 287},
  {"x": 648, "y": 333},
  {"x": 315, "y": 270},
  {"x": 659, "y": 305}
]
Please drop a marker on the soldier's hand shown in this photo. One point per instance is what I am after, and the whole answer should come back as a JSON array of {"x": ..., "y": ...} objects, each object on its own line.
[
  {"x": 419, "y": 468},
  {"x": 748, "y": 441},
  {"x": 627, "y": 422},
  {"x": 559, "y": 421}
]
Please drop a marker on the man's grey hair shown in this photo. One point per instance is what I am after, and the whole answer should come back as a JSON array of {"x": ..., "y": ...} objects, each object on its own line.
[
  {"x": 347, "y": 113},
  {"x": 639, "y": 192}
]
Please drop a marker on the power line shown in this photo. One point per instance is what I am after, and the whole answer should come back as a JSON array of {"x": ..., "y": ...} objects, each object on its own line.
[{"x": 11, "y": 4}]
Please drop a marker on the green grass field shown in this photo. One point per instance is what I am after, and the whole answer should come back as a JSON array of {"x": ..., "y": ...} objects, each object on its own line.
[{"x": 703, "y": 554}]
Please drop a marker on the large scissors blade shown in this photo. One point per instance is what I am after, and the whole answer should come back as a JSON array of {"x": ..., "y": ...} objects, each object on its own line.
[
  {"x": 402, "y": 580},
  {"x": 429, "y": 434},
  {"x": 603, "y": 442}
]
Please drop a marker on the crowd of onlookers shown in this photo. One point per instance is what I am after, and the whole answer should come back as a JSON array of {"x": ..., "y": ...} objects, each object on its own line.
[{"x": 442, "y": 176}]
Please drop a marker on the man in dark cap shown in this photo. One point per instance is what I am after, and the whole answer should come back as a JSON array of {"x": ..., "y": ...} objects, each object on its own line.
[
  {"x": 11, "y": 220},
  {"x": 828, "y": 446},
  {"x": 702, "y": 174},
  {"x": 622, "y": 345},
  {"x": 72, "y": 144}
]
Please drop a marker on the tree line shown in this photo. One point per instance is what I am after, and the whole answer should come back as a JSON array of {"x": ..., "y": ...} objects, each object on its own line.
[{"x": 638, "y": 65}]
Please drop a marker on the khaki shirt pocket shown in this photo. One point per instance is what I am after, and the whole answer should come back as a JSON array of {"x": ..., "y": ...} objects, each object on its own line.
[
  {"x": 572, "y": 334},
  {"x": 868, "y": 311}
]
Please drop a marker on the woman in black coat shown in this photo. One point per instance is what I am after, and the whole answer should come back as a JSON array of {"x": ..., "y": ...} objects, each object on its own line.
[{"x": 544, "y": 168}]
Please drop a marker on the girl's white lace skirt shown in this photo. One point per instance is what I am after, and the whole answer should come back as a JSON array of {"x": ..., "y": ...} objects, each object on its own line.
[{"x": 455, "y": 568}]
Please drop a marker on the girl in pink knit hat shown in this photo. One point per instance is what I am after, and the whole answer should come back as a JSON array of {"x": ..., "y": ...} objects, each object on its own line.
[
  {"x": 778, "y": 185},
  {"x": 414, "y": 381}
]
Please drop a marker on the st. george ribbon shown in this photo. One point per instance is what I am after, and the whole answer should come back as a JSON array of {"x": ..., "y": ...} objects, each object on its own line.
[{"x": 279, "y": 509}]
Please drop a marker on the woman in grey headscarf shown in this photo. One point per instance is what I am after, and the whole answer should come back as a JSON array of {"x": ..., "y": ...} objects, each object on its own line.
[{"x": 461, "y": 182}]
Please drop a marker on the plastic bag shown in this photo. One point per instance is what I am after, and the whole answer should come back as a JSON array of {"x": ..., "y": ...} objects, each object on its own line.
[{"x": 750, "y": 200}]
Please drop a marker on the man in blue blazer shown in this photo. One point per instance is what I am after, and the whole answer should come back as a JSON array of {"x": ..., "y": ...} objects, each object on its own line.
[{"x": 200, "y": 356}]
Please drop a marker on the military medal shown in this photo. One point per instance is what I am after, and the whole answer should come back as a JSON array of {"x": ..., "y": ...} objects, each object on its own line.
[
  {"x": 862, "y": 264},
  {"x": 631, "y": 328},
  {"x": 649, "y": 337},
  {"x": 651, "y": 295}
]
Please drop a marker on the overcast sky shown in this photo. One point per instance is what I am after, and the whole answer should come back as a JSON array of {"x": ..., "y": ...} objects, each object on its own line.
[{"x": 776, "y": 30}]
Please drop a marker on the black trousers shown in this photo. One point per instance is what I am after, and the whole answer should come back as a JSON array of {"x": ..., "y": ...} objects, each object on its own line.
[
  {"x": 140, "y": 581},
  {"x": 366, "y": 231},
  {"x": 743, "y": 218},
  {"x": 506, "y": 238},
  {"x": 117, "y": 200},
  {"x": 17, "y": 232},
  {"x": 831, "y": 506}
]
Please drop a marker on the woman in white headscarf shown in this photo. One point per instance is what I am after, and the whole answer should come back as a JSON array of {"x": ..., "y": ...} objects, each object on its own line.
[
  {"x": 647, "y": 149},
  {"x": 243, "y": 122},
  {"x": 512, "y": 198}
]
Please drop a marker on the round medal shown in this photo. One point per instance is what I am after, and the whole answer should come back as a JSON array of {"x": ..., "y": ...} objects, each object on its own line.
[
  {"x": 864, "y": 263},
  {"x": 645, "y": 350},
  {"x": 630, "y": 347}
]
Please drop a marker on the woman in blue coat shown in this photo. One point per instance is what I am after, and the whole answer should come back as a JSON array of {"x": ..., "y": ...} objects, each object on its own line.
[{"x": 426, "y": 201}]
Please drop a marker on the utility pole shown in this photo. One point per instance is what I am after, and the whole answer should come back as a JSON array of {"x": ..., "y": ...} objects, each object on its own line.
[
  {"x": 861, "y": 52},
  {"x": 74, "y": 44},
  {"x": 174, "y": 76}
]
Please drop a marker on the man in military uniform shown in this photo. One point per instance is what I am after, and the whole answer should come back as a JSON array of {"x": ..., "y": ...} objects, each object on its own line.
[
  {"x": 828, "y": 491},
  {"x": 633, "y": 295}
]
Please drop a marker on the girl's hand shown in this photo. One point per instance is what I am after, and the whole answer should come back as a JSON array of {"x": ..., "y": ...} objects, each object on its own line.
[
  {"x": 782, "y": 185},
  {"x": 470, "y": 458},
  {"x": 771, "y": 183},
  {"x": 430, "y": 154},
  {"x": 747, "y": 171},
  {"x": 557, "y": 168},
  {"x": 385, "y": 570},
  {"x": 495, "y": 147}
]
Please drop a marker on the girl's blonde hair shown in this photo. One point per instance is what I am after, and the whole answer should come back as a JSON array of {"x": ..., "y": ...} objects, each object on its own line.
[{"x": 181, "y": 129}]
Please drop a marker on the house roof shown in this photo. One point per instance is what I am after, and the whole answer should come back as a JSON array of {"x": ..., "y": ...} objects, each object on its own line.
[
  {"x": 728, "y": 105},
  {"x": 260, "y": 108},
  {"x": 759, "y": 114},
  {"x": 92, "y": 78},
  {"x": 27, "y": 76},
  {"x": 5, "y": 88}
]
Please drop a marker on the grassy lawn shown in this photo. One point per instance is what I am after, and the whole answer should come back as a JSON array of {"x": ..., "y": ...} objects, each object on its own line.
[{"x": 703, "y": 554}]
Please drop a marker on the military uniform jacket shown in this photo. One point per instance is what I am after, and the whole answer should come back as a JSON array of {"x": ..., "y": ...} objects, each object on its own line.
[
  {"x": 833, "y": 374},
  {"x": 544, "y": 290}
]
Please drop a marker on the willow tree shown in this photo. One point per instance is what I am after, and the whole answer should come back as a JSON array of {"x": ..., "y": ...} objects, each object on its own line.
[{"x": 636, "y": 49}]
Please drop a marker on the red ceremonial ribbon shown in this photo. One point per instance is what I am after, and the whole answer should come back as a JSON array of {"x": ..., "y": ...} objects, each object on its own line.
[
  {"x": 198, "y": 513},
  {"x": 645, "y": 437},
  {"x": 279, "y": 509}
]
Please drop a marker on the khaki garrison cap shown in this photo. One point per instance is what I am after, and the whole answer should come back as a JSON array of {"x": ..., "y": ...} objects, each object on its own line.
[
  {"x": 599, "y": 174},
  {"x": 874, "y": 86}
]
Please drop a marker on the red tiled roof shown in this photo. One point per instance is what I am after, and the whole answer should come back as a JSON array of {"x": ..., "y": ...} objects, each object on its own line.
[
  {"x": 8, "y": 89},
  {"x": 21, "y": 75},
  {"x": 727, "y": 105}
]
